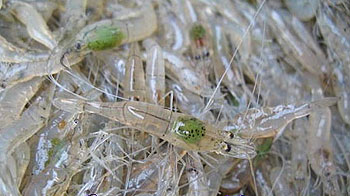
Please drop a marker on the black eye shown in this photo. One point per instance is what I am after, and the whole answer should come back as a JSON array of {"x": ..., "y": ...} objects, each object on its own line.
[
  {"x": 206, "y": 54},
  {"x": 228, "y": 148},
  {"x": 76, "y": 121},
  {"x": 197, "y": 57},
  {"x": 78, "y": 46}
]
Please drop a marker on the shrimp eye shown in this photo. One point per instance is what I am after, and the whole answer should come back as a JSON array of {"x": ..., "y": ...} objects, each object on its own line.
[
  {"x": 78, "y": 46},
  {"x": 197, "y": 57},
  {"x": 227, "y": 147},
  {"x": 206, "y": 54}
]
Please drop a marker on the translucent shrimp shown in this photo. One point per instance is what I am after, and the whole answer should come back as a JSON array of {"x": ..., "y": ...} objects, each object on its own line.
[
  {"x": 299, "y": 160},
  {"x": 109, "y": 33},
  {"x": 178, "y": 129},
  {"x": 22, "y": 158},
  {"x": 188, "y": 77},
  {"x": 134, "y": 80},
  {"x": 198, "y": 182},
  {"x": 270, "y": 122},
  {"x": 155, "y": 71},
  {"x": 291, "y": 44},
  {"x": 15, "y": 134},
  {"x": 303, "y": 9},
  {"x": 74, "y": 17},
  {"x": 319, "y": 147},
  {"x": 172, "y": 34},
  {"x": 10, "y": 108},
  {"x": 333, "y": 27},
  {"x": 201, "y": 48},
  {"x": 232, "y": 78},
  {"x": 189, "y": 102},
  {"x": 46, "y": 8},
  {"x": 13, "y": 54},
  {"x": 36, "y": 25},
  {"x": 342, "y": 89}
]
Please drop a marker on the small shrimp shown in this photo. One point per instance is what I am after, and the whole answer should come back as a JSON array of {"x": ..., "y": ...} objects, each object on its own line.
[
  {"x": 303, "y": 9},
  {"x": 134, "y": 81},
  {"x": 28, "y": 124},
  {"x": 342, "y": 89},
  {"x": 270, "y": 122},
  {"x": 155, "y": 72},
  {"x": 110, "y": 33},
  {"x": 13, "y": 54},
  {"x": 197, "y": 179},
  {"x": 18, "y": 132},
  {"x": 178, "y": 129},
  {"x": 319, "y": 150},
  {"x": 172, "y": 34},
  {"x": 15, "y": 106},
  {"x": 299, "y": 160},
  {"x": 291, "y": 44},
  {"x": 36, "y": 25},
  {"x": 333, "y": 28},
  {"x": 22, "y": 158},
  {"x": 186, "y": 75},
  {"x": 200, "y": 44},
  {"x": 189, "y": 102}
]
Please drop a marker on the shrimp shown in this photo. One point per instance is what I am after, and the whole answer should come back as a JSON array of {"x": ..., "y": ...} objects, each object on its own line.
[
  {"x": 36, "y": 25},
  {"x": 239, "y": 177},
  {"x": 134, "y": 80},
  {"x": 15, "y": 106},
  {"x": 290, "y": 44},
  {"x": 200, "y": 46},
  {"x": 13, "y": 54},
  {"x": 270, "y": 122},
  {"x": 18, "y": 132},
  {"x": 188, "y": 77},
  {"x": 109, "y": 33},
  {"x": 342, "y": 89},
  {"x": 333, "y": 28},
  {"x": 196, "y": 177},
  {"x": 155, "y": 71},
  {"x": 303, "y": 9},
  {"x": 172, "y": 34},
  {"x": 178, "y": 129},
  {"x": 299, "y": 160},
  {"x": 189, "y": 102},
  {"x": 22, "y": 158}
]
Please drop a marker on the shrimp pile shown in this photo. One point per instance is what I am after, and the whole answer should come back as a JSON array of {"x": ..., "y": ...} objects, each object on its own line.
[{"x": 177, "y": 97}]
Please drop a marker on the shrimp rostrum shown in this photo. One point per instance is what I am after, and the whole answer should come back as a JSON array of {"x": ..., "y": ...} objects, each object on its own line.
[{"x": 179, "y": 129}]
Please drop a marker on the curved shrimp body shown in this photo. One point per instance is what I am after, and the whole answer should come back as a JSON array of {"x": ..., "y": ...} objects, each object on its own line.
[
  {"x": 178, "y": 129},
  {"x": 38, "y": 30},
  {"x": 270, "y": 122}
]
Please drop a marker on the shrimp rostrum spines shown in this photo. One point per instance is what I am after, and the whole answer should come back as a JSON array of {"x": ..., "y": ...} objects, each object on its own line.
[{"x": 179, "y": 129}]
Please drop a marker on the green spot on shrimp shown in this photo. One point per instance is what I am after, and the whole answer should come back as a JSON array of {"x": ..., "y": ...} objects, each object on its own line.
[
  {"x": 197, "y": 32},
  {"x": 262, "y": 150},
  {"x": 191, "y": 130},
  {"x": 57, "y": 145},
  {"x": 103, "y": 38}
]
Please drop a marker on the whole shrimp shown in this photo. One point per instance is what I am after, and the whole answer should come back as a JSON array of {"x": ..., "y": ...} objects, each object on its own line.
[
  {"x": 109, "y": 33},
  {"x": 178, "y": 129}
]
